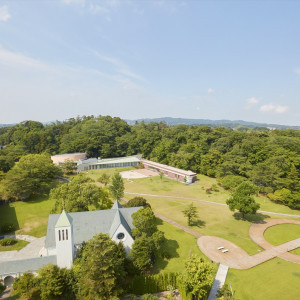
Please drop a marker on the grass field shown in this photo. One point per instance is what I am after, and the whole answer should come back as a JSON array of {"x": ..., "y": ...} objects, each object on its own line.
[
  {"x": 283, "y": 233},
  {"x": 273, "y": 280},
  {"x": 180, "y": 245},
  {"x": 169, "y": 187},
  {"x": 18, "y": 246},
  {"x": 30, "y": 217}
]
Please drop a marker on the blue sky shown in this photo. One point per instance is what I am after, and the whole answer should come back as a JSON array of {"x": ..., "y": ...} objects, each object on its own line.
[{"x": 136, "y": 59}]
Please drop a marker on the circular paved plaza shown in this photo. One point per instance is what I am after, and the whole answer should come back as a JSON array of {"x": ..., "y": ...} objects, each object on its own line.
[{"x": 237, "y": 258}]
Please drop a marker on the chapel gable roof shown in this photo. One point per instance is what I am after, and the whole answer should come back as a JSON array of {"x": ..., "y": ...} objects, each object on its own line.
[
  {"x": 89, "y": 223},
  {"x": 116, "y": 205}
]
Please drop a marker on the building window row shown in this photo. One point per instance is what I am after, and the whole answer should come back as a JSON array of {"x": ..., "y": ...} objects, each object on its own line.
[{"x": 61, "y": 235}]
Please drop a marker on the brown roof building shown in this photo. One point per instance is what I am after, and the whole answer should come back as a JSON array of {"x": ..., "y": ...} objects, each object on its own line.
[{"x": 171, "y": 172}]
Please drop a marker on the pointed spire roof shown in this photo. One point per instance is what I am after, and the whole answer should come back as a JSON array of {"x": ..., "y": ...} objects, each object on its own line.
[
  {"x": 116, "y": 205},
  {"x": 64, "y": 220},
  {"x": 118, "y": 219}
]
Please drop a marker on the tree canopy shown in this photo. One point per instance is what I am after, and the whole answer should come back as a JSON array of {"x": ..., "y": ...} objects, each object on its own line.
[
  {"x": 32, "y": 175},
  {"x": 191, "y": 213},
  {"x": 242, "y": 199},
  {"x": 100, "y": 268},
  {"x": 197, "y": 277},
  {"x": 268, "y": 158},
  {"x": 78, "y": 195},
  {"x": 117, "y": 186}
]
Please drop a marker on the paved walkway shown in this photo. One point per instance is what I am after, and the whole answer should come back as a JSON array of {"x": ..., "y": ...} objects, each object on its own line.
[
  {"x": 5, "y": 295},
  {"x": 218, "y": 282},
  {"x": 29, "y": 251},
  {"x": 237, "y": 258},
  {"x": 210, "y": 202}
]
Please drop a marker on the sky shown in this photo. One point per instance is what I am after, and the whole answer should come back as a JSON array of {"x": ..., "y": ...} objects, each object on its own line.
[{"x": 235, "y": 60}]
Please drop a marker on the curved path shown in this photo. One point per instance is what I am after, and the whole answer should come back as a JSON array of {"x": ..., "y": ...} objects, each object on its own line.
[
  {"x": 257, "y": 230},
  {"x": 29, "y": 251},
  {"x": 237, "y": 258}
]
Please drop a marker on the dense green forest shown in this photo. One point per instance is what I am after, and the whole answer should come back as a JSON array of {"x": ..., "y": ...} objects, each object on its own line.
[{"x": 269, "y": 159}]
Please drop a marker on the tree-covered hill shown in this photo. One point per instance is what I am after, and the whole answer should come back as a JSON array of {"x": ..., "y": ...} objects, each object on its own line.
[{"x": 269, "y": 159}]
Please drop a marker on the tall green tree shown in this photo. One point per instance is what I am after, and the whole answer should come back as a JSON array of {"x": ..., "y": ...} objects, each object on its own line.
[
  {"x": 104, "y": 179},
  {"x": 197, "y": 277},
  {"x": 144, "y": 222},
  {"x": 78, "y": 194},
  {"x": 117, "y": 186},
  {"x": 242, "y": 199},
  {"x": 32, "y": 175},
  {"x": 101, "y": 269},
  {"x": 191, "y": 213},
  {"x": 149, "y": 241},
  {"x": 68, "y": 167}
]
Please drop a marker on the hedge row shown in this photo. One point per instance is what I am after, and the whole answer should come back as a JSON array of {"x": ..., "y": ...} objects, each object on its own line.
[{"x": 152, "y": 284}]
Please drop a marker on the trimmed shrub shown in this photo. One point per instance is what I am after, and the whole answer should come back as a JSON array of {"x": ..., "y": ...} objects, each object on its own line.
[
  {"x": 8, "y": 242},
  {"x": 152, "y": 284}
]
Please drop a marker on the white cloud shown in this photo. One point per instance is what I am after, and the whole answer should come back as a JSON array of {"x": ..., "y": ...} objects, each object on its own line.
[
  {"x": 274, "y": 108},
  {"x": 253, "y": 100},
  {"x": 4, "y": 14},
  {"x": 20, "y": 62},
  {"x": 12, "y": 59},
  {"x": 210, "y": 90},
  {"x": 297, "y": 71},
  {"x": 121, "y": 67}
]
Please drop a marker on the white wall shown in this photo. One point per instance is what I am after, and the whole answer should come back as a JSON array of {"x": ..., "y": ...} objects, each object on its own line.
[
  {"x": 64, "y": 247},
  {"x": 127, "y": 240}
]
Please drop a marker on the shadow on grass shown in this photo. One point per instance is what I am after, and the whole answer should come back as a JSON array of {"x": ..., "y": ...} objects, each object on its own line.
[
  {"x": 198, "y": 223},
  {"x": 158, "y": 221},
  {"x": 8, "y": 220},
  {"x": 170, "y": 251},
  {"x": 257, "y": 218}
]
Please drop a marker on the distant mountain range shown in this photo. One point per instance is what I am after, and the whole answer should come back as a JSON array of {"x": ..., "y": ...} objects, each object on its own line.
[{"x": 212, "y": 123}]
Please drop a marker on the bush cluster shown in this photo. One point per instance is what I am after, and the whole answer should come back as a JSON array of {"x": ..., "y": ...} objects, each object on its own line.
[{"x": 8, "y": 242}]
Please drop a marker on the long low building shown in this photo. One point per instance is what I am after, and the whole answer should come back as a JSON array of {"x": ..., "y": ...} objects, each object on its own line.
[
  {"x": 75, "y": 157},
  {"x": 171, "y": 172},
  {"x": 107, "y": 163}
]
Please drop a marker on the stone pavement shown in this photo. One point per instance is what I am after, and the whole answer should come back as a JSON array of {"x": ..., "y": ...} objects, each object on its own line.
[
  {"x": 29, "y": 251},
  {"x": 237, "y": 258},
  {"x": 218, "y": 282}
]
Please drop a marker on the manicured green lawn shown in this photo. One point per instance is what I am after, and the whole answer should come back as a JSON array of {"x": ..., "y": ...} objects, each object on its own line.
[
  {"x": 18, "y": 246},
  {"x": 28, "y": 217},
  {"x": 274, "y": 279},
  {"x": 169, "y": 187},
  {"x": 180, "y": 245},
  {"x": 214, "y": 220},
  {"x": 283, "y": 233}
]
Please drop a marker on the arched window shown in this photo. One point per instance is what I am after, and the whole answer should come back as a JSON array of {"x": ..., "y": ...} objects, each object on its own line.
[
  {"x": 63, "y": 235},
  {"x": 59, "y": 237},
  {"x": 66, "y": 234}
]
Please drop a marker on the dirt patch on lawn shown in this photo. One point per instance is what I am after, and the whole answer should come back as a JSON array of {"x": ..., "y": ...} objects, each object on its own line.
[{"x": 138, "y": 173}]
